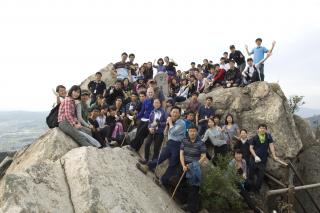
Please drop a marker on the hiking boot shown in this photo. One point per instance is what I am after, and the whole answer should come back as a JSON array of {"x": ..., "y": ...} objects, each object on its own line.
[
  {"x": 143, "y": 168},
  {"x": 113, "y": 143},
  {"x": 142, "y": 161},
  {"x": 157, "y": 181}
]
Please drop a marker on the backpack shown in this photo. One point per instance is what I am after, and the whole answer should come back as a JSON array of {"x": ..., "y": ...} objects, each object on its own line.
[{"x": 52, "y": 118}]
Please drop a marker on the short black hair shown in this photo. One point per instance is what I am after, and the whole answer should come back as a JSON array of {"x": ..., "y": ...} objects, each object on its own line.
[
  {"x": 113, "y": 108},
  {"x": 249, "y": 59},
  {"x": 176, "y": 107},
  {"x": 209, "y": 98},
  {"x": 74, "y": 88},
  {"x": 238, "y": 151},
  {"x": 131, "y": 55},
  {"x": 225, "y": 53},
  {"x": 232, "y": 47},
  {"x": 222, "y": 58},
  {"x": 193, "y": 63},
  {"x": 215, "y": 65},
  {"x": 124, "y": 53},
  {"x": 195, "y": 93},
  {"x": 244, "y": 131},
  {"x": 98, "y": 73},
  {"x": 193, "y": 126},
  {"x": 119, "y": 81},
  {"x": 192, "y": 76},
  {"x": 143, "y": 93},
  {"x": 263, "y": 125},
  {"x": 60, "y": 87},
  {"x": 259, "y": 39},
  {"x": 233, "y": 61}
]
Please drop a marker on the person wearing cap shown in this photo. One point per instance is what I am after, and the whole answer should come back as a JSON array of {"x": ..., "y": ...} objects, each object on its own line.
[
  {"x": 192, "y": 155},
  {"x": 238, "y": 57},
  {"x": 82, "y": 109},
  {"x": 258, "y": 53}
]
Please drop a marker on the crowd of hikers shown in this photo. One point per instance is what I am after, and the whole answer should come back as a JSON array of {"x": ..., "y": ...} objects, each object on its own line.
[{"x": 102, "y": 115}]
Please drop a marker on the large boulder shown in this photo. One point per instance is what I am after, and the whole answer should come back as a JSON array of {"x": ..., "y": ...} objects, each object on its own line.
[
  {"x": 108, "y": 76},
  {"x": 306, "y": 133},
  {"x": 53, "y": 175}
]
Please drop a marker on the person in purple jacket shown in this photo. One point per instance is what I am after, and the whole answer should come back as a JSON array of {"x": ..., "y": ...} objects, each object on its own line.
[
  {"x": 143, "y": 116},
  {"x": 156, "y": 126}
]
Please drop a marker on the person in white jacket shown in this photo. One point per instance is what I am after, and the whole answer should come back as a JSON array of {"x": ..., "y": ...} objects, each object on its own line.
[{"x": 183, "y": 92}]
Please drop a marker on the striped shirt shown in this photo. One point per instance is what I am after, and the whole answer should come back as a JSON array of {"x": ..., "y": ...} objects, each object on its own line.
[{"x": 192, "y": 151}]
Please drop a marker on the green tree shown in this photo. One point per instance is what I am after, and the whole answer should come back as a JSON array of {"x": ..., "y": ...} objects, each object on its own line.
[{"x": 295, "y": 102}]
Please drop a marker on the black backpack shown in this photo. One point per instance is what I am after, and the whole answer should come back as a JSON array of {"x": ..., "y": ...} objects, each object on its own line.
[{"x": 52, "y": 118}]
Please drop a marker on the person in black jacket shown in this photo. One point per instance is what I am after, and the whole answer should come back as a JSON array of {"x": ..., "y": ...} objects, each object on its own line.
[
  {"x": 242, "y": 143},
  {"x": 232, "y": 77},
  {"x": 113, "y": 92},
  {"x": 238, "y": 57}
]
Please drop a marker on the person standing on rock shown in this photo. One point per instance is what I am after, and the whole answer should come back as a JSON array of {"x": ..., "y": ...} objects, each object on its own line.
[
  {"x": 68, "y": 121},
  {"x": 259, "y": 146},
  {"x": 97, "y": 87},
  {"x": 192, "y": 155},
  {"x": 258, "y": 53},
  {"x": 176, "y": 134},
  {"x": 205, "y": 112},
  {"x": 238, "y": 57},
  {"x": 143, "y": 116}
]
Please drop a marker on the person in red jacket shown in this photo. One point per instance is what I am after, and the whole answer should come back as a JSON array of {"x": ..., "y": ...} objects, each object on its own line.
[{"x": 215, "y": 77}]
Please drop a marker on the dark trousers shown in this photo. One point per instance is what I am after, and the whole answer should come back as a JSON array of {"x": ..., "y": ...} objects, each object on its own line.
[
  {"x": 142, "y": 133},
  {"x": 256, "y": 169},
  {"x": 157, "y": 138},
  {"x": 179, "y": 99},
  {"x": 203, "y": 126},
  {"x": 244, "y": 193},
  {"x": 193, "y": 199},
  {"x": 172, "y": 152}
]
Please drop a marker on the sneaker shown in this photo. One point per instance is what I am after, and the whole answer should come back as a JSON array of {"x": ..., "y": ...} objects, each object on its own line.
[
  {"x": 142, "y": 168},
  {"x": 113, "y": 143}
]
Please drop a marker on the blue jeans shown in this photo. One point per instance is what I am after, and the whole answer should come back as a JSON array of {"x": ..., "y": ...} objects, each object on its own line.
[{"x": 171, "y": 152}]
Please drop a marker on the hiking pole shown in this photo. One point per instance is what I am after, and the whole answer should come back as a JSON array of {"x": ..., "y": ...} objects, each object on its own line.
[
  {"x": 174, "y": 192},
  {"x": 124, "y": 138}
]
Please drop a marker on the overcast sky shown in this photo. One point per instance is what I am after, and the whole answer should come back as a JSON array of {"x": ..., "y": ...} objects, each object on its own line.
[{"x": 45, "y": 43}]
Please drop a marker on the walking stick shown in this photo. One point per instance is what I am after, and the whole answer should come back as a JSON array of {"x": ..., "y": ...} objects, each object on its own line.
[
  {"x": 174, "y": 192},
  {"x": 124, "y": 138}
]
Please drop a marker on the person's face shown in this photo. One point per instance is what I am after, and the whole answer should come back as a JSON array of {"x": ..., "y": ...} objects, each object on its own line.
[
  {"x": 126, "y": 82},
  {"x": 262, "y": 130},
  {"x": 184, "y": 82},
  {"x": 232, "y": 50},
  {"x": 112, "y": 113},
  {"x": 118, "y": 85},
  {"x": 250, "y": 63},
  {"x": 199, "y": 76},
  {"x": 221, "y": 61},
  {"x": 238, "y": 156},
  {"x": 95, "y": 113},
  {"x": 142, "y": 98},
  {"x": 160, "y": 62},
  {"x": 131, "y": 58},
  {"x": 229, "y": 119},
  {"x": 196, "y": 73},
  {"x": 243, "y": 134},
  {"x": 62, "y": 92},
  {"x": 100, "y": 101},
  {"x": 190, "y": 117},
  {"x": 194, "y": 97},
  {"x": 156, "y": 104},
  {"x": 84, "y": 98},
  {"x": 192, "y": 133},
  {"x": 193, "y": 66},
  {"x": 225, "y": 55},
  {"x": 217, "y": 68},
  {"x": 149, "y": 65},
  {"x": 174, "y": 81},
  {"x": 166, "y": 59},
  {"x": 98, "y": 77},
  {"x": 208, "y": 102},
  {"x": 150, "y": 93},
  {"x": 134, "y": 98},
  {"x": 118, "y": 102},
  {"x": 192, "y": 79},
  {"x": 216, "y": 120},
  {"x": 258, "y": 43},
  {"x": 124, "y": 57},
  {"x": 210, "y": 123},
  {"x": 175, "y": 114},
  {"x": 75, "y": 94},
  {"x": 212, "y": 71},
  {"x": 205, "y": 62},
  {"x": 232, "y": 65}
]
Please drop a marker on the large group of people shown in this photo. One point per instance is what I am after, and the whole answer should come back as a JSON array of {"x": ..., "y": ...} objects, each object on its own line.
[{"x": 102, "y": 115}]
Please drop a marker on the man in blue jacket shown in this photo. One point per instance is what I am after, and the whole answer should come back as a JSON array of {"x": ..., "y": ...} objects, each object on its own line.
[
  {"x": 143, "y": 116},
  {"x": 171, "y": 151},
  {"x": 156, "y": 125}
]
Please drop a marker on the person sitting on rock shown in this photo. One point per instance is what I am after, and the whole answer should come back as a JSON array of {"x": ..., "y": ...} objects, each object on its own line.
[
  {"x": 239, "y": 166},
  {"x": 182, "y": 95},
  {"x": 224, "y": 64},
  {"x": 121, "y": 68},
  {"x": 97, "y": 87},
  {"x": 83, "y": 109},
  {"x": 192, "y": 69},
  {"x": 205, "y": 112},
  {"x": 232, "y": 77},
  {"x": 200, "y": 82},
  {"x": 148, "y": 72},
  {"x": 192, "y": 155},
  {"x": 176, "y": 133},
  {"x": 156, "y": 125},
  {"x": 68, "y": 121},
  {"x": 174, "y": 87},
  {"x": 127, "y": 89},
  {"x": 217, "y": 122},
  {"x": 259, "y": 146},
  {"x": 215, "y": 78},
  {"x": 98, "y": 133},
  {"x": 160, "y": 65},
  {"x": 131, "y": 111},
  {"x": 230, "y": 130},
  {"x": 158, "y": 93},
  {"x": 238, "y": 57},
  {"x": 252, "y": 72},
  {"x": 194, "y": 104},
  {"x": 189, "y": 120},
  {"x": 143, "y": 116},
  {"x": 242, "y": 143},
  {"x": 113, "y": 92},
  {"x": 206, "y": 67},
  {"x": 60, "y": 93},
  {"x": 192, "y": 84},
  {"x": 114, "y": 130},
  {"x": 214, "y": 136},
  {"x": 170, "y": 65},
  {"x": 131, "y": 66}
]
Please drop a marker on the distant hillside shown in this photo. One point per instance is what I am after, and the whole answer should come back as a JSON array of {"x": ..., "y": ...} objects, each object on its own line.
[
  {"x": 19, "y": 128},
  {"x": 314, "y": 121},
  {"x": 307, "y": 112}
]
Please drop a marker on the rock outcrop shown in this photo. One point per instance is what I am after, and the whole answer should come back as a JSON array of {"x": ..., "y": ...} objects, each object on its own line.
[{"x": 48, "y": 177}]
